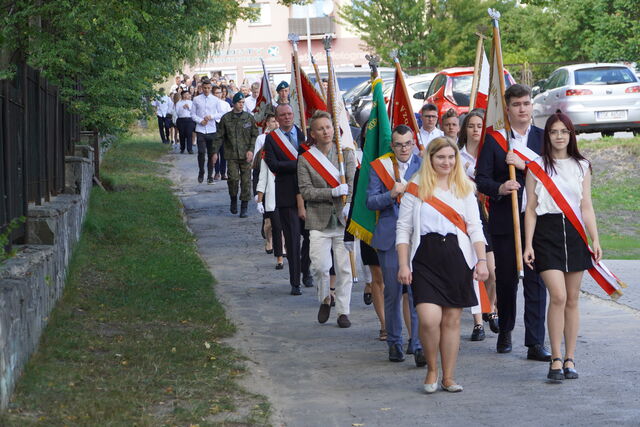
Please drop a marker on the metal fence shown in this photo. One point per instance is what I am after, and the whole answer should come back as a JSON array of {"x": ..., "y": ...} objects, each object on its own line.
[{"x": 36, "y": 133}]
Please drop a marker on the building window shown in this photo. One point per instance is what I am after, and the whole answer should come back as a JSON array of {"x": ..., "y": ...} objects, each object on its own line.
[{"x": 264, "y": 16}]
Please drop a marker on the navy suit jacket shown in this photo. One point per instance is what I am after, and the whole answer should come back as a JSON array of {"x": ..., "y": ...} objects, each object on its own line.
[
  {"x": 492, "y": 171},
  {"x": 379, "y": 199},
  {"x": 286, "y": 170}
]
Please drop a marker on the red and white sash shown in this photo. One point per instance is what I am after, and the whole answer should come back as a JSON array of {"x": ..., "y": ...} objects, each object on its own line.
[
  {"x": 456, "y": 219},
  {"x": 383, "y": 166},
  {"x": 524, "y": 152},
  {"x": 285, "y": 145},
  {"x": 321, "y": 164},
  {"x": 600, "y": 273}
]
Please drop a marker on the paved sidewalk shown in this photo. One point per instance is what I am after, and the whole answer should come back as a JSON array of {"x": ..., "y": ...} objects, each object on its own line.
[{"x": 321, "y": 375}]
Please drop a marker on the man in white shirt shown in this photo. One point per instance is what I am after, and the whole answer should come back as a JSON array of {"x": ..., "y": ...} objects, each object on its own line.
[
  {"x": 250, "y": 101},
  {"x": 206, "y": 110},
  {"x": 163, "y": 105},
  {"x": 428, "y": 131},
  {"x": 184, "y": 123}
]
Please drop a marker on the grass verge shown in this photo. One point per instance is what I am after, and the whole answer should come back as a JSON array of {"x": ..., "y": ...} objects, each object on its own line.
[
  {"x": 616, "y": 194},
  {"x": 135, "y": 338}
]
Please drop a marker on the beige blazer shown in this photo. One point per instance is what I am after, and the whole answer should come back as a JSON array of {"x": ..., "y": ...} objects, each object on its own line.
[{"x": 317, "y": 193}]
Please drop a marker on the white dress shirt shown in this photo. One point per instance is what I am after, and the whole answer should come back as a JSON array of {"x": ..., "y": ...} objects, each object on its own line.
[
  {"x": 182, "y": 112},
  {"x": 403, "y": 166},
  {"x": 426, "y": 137},
  {"x": 163, "y": 106},
  {"x": 207, "y": 106},
  {"x": 259, "y": 142},
  {"x": 250, "y": 104}
]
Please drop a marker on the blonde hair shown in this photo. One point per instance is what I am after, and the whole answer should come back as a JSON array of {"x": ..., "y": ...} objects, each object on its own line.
[
  {"x": 317, "y": 115},
  {"x": 459, "y": 183}
]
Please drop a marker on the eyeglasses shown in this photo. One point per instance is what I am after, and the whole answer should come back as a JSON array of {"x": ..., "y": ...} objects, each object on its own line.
[
  {"x": 563, "y": 132},
  {"x": 403, "y": 146}
]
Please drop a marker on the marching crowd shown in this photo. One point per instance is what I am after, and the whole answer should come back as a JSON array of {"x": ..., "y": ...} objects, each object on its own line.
[{"x": 444, "y": 237}]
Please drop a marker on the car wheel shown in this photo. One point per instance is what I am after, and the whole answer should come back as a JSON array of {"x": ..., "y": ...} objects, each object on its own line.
[{"x": 607, "y": 133}]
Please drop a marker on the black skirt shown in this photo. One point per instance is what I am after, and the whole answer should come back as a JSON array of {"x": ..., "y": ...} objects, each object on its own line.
[
  {"x": 557, "y": 245},
  {"x": 368, "y": 254},
  {"x": 441, "y": 275}
]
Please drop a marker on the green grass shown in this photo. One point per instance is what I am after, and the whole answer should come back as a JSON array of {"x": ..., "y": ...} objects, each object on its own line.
[
  {"x": 135, "y": 340},
  {"x": 616, "y": 194}
]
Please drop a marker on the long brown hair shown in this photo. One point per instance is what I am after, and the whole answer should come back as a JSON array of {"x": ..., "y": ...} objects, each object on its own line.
[{"x": 572, "y": 148}]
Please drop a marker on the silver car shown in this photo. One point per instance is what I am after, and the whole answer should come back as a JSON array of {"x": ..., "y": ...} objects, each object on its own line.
[{"x": 597, "y": 97}]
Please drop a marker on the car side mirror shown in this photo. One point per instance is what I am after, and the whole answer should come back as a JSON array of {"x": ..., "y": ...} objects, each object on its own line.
[{"x": 419, "y": 95}]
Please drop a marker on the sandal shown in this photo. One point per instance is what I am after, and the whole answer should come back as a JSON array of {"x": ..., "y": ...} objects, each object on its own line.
[
  {"x": 383, "y": 335},
  {"x": 569, "y": 373},
  {"x": 555, "y": 374},
  {"x": 492, "y": 318}
]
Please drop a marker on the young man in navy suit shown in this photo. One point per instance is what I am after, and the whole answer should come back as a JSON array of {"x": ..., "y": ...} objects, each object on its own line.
[
  {"x": 383, "y": 194},
  {"x": 492, "y": 179}
]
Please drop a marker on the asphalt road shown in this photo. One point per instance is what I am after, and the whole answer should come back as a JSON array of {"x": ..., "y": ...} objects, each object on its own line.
[{"x": 321, "y": 375}]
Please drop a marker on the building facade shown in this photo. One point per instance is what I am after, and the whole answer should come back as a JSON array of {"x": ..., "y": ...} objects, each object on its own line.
[{"x": 266, "y": 37}]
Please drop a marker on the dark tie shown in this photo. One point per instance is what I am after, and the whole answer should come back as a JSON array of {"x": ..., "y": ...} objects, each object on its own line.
[{"x": 290, "y": 137}]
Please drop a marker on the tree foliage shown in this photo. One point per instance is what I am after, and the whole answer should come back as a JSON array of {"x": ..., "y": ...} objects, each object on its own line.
[
  {"x": 441, "y": 33},
  {"x": 116, "y": 49}
]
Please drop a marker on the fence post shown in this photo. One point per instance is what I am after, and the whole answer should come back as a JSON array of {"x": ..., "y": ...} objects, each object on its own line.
[{"x": 96, "y": 155}]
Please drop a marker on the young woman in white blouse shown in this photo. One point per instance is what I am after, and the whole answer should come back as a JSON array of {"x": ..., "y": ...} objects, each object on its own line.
[
  {"x": 441, "y": 250},
  {"x": 553, "y": 246}
]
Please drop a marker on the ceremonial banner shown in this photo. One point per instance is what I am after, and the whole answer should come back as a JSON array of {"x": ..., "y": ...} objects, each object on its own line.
[
  {"x": 346, "y": 138},
  {"x": 264, "y": 103},
  {"x": 378, "y": 142},
  {"x": 312, "y": 100},
  {"x": 400, "y": 110},
  {"x": 483, "y": 83}
]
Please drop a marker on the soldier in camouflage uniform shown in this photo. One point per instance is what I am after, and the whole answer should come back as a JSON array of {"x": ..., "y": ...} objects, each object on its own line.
[{"x": 237, "y": 130}]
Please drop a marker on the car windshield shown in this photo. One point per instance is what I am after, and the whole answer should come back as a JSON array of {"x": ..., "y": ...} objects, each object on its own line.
[
  {"x": 604, "y": 76},
  {"x": 362, "y": 89},
  {"x": 462, "y": 89}
]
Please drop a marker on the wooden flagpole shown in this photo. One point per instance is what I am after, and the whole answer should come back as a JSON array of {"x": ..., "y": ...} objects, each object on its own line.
[
  {"x": 495, "y": 16},
  {"x": 318, "y": 78},
  {"x": 294, "y": 38},
  {"x": 477, "y": 67},
  {"x": 331, "y": 100}
]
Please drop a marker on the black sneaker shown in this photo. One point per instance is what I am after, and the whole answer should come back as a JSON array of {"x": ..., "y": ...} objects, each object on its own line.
[
  {"x": 210, "y": 180},
  {"x": 200, "y": 177}
]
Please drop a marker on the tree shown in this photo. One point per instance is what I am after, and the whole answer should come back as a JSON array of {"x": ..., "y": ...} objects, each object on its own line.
[
  {"x": 385, "y": 25},
  {"x": 116, "y": 49}
]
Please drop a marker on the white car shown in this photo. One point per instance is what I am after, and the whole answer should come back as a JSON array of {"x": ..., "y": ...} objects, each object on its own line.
[{"x": 597, "y": 97}]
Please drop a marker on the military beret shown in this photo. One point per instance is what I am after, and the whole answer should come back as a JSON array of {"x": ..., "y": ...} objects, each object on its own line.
[
  {"x": 238, "y": 97},
  {"x": 282, "y": 85}
]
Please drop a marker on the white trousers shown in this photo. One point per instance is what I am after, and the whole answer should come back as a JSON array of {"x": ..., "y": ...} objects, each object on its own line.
[{"x": 320, "y": 245}]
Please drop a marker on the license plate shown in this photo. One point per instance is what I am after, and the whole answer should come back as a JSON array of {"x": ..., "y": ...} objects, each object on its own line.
[{"x": 611, "y": 115}]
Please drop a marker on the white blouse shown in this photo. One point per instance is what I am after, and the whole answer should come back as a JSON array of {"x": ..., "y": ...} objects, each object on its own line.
[
  {"x": 568, "y": 177},
  {"x": 183, "y": 112},
  {"x": 468, "y": 163},
  {"x": 432, "y": 221}
]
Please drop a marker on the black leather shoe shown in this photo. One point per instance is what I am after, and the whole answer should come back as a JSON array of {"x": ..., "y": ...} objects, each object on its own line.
[
  {"x": 504, "y": 342},
  {"x": 308, "y": 281},
  {"x": 279, "y": 266},
  {"x": 343, "y": 321},
  {"x": 493, "y": 320},
  {"x": 324, "y": 312},
  {"x": 555, "y": 374},
  {"x": 538, "y": 352},
  {"x": 210, "y": 180},
  {"x": 418, "y": 357},
  {"x": 200, "y": 177},
  {"x": 368, "y": 298},
  {"x": 409, "y": 347},
  {"x": 570, "y": 373},
  {"x": 233, "y": 207},
  {"x": 395, "y": 353},
  {"x": 295, "y": 290},
  {"x": 243, "y": 209},
  {"x": 478, "y": 333}
]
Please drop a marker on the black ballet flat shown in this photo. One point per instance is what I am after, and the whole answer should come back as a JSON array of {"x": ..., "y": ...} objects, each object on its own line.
[
  {"x": 555, "y": 374},
  {"x": 570, "y": 373}
]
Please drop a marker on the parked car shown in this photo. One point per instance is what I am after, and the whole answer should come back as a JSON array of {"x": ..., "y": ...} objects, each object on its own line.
[
  {"x": 415, "y": 85},
  {"x": 451, "y": 88},
  {"x": 597, "y": 97}
]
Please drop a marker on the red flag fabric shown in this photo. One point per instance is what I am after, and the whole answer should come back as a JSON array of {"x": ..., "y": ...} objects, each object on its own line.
[
  {"x": 400, "y": 109},
  {"x": 313, "y": 100}
]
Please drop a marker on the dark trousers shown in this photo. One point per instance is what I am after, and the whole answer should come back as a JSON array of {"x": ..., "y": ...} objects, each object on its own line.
[
  {"x": 186, "y": 126},
  {"x": 164, "y": 129},
  {"x": 276, "y": 231},
  {"x": 305, "y": 259},
  {"x": 221, "y": 163},
  {"x": 290, "y": 222},
  {"x": 535, "y": 293},
  {"x": 205, "y": 143}
]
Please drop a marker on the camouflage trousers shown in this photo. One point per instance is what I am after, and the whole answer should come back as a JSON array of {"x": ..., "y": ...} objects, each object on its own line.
[{"x": 239, "y": 173}]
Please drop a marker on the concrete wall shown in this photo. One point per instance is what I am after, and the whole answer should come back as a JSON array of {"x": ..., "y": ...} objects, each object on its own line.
[{"x": 33, "y": 280}]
